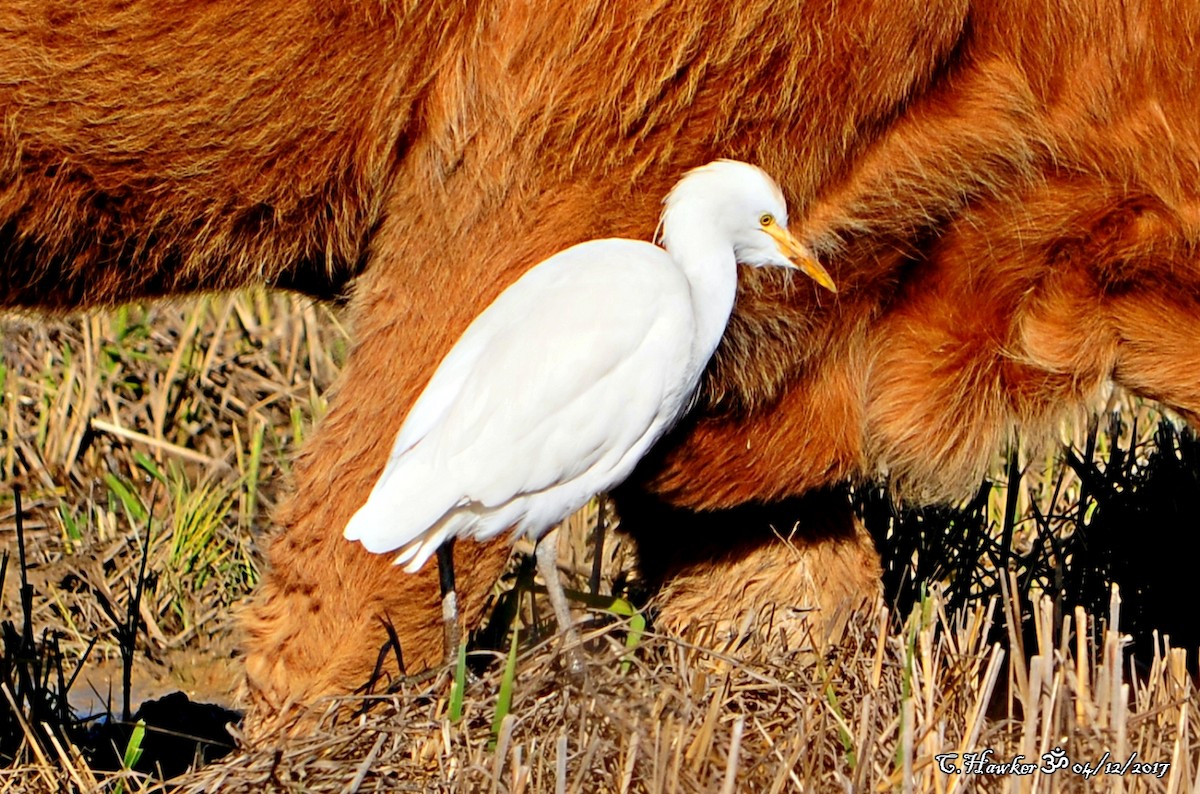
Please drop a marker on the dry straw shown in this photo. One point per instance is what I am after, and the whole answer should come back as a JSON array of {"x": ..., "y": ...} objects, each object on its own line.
[{"x": 183, "y": 415}]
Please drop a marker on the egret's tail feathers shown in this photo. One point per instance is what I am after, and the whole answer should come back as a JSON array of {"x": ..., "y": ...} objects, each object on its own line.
[
  {"x": 414, "y": 528},
  {"x": 379, "y": 531},
  {"x": 407, "y": 554},
  {"x": 386, "y": 523},
  {"x": 417, "y": 553},
  {"x": 492, "y": 523}
]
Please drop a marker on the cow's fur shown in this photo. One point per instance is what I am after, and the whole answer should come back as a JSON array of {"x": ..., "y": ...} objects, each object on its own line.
[{"x": 1005, "y": 192}]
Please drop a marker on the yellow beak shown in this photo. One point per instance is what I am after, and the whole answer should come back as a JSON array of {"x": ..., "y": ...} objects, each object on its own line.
[{"x": 800, "y": 256}]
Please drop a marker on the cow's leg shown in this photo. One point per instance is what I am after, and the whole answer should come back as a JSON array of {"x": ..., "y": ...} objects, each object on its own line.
[
  {"x": 798, "y": 568},
  {"x": 1157, "y": 325},
  {"x": 326, "y": 606}
]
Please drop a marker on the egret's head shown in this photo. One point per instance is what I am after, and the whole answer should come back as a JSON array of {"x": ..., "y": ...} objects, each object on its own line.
[{"x": 746, "y": 208}]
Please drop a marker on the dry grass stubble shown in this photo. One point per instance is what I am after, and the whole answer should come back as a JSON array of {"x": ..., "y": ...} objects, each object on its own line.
[{"x": 183, "y": 416}]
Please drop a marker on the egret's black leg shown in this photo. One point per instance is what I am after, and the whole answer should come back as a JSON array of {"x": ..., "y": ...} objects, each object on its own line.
[
  {"x": 451, "y": 633},
  {"x": 546, "y": 554},
  {"x": 597, "y": 550}
]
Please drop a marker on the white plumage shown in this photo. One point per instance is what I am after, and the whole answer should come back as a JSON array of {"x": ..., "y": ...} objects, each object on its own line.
[{"x": 563, "y": 383}]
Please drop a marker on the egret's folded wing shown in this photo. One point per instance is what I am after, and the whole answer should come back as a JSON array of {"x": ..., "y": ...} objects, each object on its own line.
[
  {"x": 564, "y": 371},
  {"x": 577, "y": 381}
]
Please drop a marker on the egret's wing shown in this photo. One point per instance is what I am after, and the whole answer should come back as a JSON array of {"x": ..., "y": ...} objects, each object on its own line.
[
  {"x": 580, "y": 397},
  {"x": 567, "y": 369},
  {"x": 429, "y": 494},
  {"x": 579, "y": 377}
]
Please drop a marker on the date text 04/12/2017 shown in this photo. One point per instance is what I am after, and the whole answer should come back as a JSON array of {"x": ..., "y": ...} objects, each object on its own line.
[{"x": 984, "y": 763}]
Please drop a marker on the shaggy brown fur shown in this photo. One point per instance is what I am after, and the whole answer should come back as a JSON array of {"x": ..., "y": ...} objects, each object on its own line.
[
  {"x": 1006, "y": 193},
  {"x": 798, "y": 566},
  {"x": 143, "y": 153}
]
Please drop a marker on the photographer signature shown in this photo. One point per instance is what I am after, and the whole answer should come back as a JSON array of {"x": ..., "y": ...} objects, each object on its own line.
[{"x": 983, "y": 762}]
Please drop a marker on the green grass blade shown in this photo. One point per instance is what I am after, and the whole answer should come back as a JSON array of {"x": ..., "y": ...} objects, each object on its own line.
[
  {"x": 504, "y": 698},
  {"x": 297, "y": 426},
  {"x": 458, "y": 687},
  {"x": 70, "y": 524},
  {"x": 637, "y": 627},
  {"x": 843, "y": 735},
  {"x": 147, "y": 463},
  {"x": 134, "y": 506},
  {"x": 133, "y": 750},
  {"x": 252, "y": 473}
]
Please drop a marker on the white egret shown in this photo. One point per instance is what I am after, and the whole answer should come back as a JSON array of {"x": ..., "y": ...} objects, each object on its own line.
[{"x": 557, "y": 390}]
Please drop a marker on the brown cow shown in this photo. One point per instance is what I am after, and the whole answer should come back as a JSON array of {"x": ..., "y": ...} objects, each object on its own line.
[{"x": 1006, "y": 193}]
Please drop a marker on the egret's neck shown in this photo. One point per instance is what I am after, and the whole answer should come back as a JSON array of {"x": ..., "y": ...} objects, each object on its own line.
[{"x": 708, "y": 263}]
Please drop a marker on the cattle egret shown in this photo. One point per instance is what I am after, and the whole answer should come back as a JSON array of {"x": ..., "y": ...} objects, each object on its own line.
[{"x": 557, "y": 390}]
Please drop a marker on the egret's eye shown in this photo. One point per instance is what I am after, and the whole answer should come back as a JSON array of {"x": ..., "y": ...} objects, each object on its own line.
[{"x": 766, "y": 219}]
